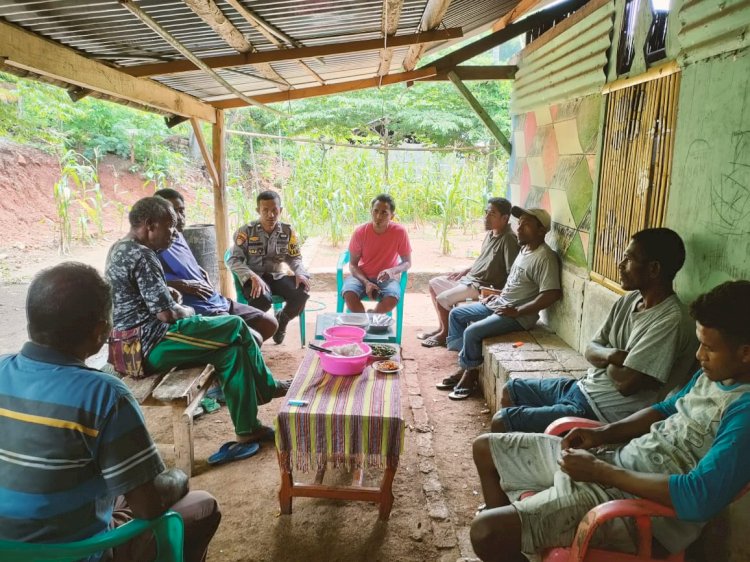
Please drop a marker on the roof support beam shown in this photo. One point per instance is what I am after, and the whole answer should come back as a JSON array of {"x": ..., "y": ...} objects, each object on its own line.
[
  {"x": 30, "y": 52},
  {"x": 273, "y": 34},
  {"x": 478, "y": 73},
  {"x": 207, "y": 156},
  {"x": 210, "y": 13},
  {"x": 434, "y": 12},
  {"x": 221, "y": 210},
  {"x": 471, "y": 50},
  {"x": 329, "y": 89},
  {"x": 523, "y": 7},
  {"x": 163, "y": 68},
  {"x": 145, "y": 18},
  {"x": 391, "y": 16},
  {"x": 480, "y": 111}
]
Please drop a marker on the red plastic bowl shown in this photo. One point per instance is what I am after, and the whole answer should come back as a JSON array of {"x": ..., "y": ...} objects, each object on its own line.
[
  {"x": 344, "y": 366},
  {"x": 345, "y": 333}
]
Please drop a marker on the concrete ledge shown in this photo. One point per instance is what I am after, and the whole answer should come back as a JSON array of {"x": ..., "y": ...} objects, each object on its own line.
[{"x": 538, "y": 353}]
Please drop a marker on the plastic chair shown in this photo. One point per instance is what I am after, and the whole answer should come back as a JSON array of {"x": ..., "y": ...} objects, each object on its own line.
[
  {"x": 639, "y": 509},
  {"x": 167, "y": 528},
  {"x": 277, "y": 301},
  {"x": 343, "y": 260}
]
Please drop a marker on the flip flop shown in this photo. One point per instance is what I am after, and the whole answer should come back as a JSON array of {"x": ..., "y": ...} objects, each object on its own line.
[
  {"x": 432, "y": 342},
  {"x": 461, "y": 393},
  {"x": 448, "y": 383},
  {"x": 233, "y": 451}
]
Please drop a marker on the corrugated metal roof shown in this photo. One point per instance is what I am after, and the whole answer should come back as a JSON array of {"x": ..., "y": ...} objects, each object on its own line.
[
  {"x": 707, "y": 29},
  {"x": 104, "y": 30},
  {"x": 569, "y": 63}
]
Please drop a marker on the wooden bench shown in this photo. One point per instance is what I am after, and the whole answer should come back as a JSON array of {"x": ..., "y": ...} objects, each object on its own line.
[{"x": 182, "y": 390}]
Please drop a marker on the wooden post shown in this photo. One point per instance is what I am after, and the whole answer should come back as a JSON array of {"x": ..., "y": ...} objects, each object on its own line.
[
  {"x": 220, "y": 202},
  {"x": 480, "y": 111}
]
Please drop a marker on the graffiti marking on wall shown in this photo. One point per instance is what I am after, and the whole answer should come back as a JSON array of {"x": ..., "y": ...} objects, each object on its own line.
[{"x": 730, "y": 196}]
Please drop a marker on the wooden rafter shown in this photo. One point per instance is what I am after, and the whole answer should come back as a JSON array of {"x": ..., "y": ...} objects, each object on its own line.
[
  {"x": 207, "y": 156},
  {"x": 27, "y": 51},
  {"x": 522, "y": 8},
  {"x": 175, "y": 67},
  {"x": 465, "y": 73},
  {"x": 329, "y": 89},
  {"x": 480, "y": 111},
  {"x": 273, "y": 34},
  {"x": 210, "y": 13},
  {"x": 451, "y": 60},
  {"x": 145, "y": 18},
  {"x": 433, "y": 14},
  {"x": 389, "y": 27}
]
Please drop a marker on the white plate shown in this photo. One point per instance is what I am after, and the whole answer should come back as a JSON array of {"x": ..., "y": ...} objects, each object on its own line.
[
  {"x": 352, "y": 320},
  {"x": 376, "y": 366}
]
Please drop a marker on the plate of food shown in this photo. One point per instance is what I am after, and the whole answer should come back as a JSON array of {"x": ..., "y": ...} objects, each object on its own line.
[
  {"x": 387, "y": 367},
  {"x": 379, "y": 323},
  {"x": 382, "y": 350}
]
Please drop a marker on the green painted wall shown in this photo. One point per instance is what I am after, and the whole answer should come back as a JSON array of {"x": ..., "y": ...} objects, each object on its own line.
[{"x": 709, "y": 199}]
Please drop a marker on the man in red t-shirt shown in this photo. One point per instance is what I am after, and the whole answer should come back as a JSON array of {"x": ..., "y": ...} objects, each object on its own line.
[{"x": 374, "y": 252}]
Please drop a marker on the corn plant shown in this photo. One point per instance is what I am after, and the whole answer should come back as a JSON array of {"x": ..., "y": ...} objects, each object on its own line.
[{"x": 62, "y": 195}]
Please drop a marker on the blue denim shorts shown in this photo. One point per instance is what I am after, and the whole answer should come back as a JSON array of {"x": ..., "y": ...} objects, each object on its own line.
[
  {"x": 539, "y": 402},
  {"x": 390, "y": 288}
]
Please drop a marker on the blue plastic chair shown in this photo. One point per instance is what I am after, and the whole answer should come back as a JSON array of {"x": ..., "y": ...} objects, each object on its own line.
[
  {"x": 277, "y": 301},
  {"x": 168, "y": 531},
  {"x": 343, "y": 260}
]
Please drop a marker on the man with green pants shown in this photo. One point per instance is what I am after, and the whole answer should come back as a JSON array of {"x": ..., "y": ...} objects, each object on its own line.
[{"x": 147, "y": 315}]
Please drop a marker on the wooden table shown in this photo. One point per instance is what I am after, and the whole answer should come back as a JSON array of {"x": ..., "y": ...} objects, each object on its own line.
[{"x": 349, "y": 422}]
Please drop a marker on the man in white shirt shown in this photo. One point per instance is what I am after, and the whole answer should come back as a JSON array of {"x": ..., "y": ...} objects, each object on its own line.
[{"x": 533, "y": 284}]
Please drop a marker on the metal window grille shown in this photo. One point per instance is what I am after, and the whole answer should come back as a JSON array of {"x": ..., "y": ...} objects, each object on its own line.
[{"x": 635, "y": 167}]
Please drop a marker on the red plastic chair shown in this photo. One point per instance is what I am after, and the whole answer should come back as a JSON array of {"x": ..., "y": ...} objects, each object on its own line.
[{"x": 641, "y": 510}]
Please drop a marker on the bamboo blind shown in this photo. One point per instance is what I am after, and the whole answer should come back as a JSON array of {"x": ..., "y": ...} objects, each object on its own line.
[{"x": 635, "y": 167}]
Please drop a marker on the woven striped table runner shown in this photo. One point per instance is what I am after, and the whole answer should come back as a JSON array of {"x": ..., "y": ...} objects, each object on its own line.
[{"x": 351, "y": 422}]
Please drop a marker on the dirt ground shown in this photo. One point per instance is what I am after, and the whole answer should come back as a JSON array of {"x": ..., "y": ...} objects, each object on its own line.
[{"x": 436, "y": 487}]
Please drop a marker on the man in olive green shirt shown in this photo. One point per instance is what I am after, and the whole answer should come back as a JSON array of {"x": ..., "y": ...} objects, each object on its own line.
[{"x": 499, "y": 249}]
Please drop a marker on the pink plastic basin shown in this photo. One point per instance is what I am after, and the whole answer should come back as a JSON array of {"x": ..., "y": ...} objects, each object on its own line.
[
  {"x": 342, "y": 366},
  {"x": 348, "y": 333}
]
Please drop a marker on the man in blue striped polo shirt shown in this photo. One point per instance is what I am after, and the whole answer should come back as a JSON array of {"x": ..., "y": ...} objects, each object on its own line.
[{"x": 76, "y": 458}]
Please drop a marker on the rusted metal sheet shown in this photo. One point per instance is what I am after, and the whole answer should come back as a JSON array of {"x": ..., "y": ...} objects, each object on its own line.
[
  {"x": 712, "y": 27},
  {"x": 104, "y": 30},
  {"x": 569, "y": 63}
]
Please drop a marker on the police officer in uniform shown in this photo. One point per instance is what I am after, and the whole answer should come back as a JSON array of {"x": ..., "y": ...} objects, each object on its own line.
[{"x": 257, "y": 257}]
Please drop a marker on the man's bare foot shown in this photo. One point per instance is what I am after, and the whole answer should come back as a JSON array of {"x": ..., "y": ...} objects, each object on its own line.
[
  {"x": 438, "y": 340},
  {"x": 425, "y": 335},
  {"x": 449, "y": 382},
  {"x": 469, "y": 378},
  {"x": 282, "y": 387},
  {"x": 263, "y": 433}
]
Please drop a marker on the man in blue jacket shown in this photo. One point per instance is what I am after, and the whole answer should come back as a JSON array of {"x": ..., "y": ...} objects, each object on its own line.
[
  {"x": 183, "y": 273},
  {"x": 689, "y": 452}
]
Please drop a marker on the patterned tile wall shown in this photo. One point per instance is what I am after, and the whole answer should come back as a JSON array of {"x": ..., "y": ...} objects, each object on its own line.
[{"x": 553, "y": 166}]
